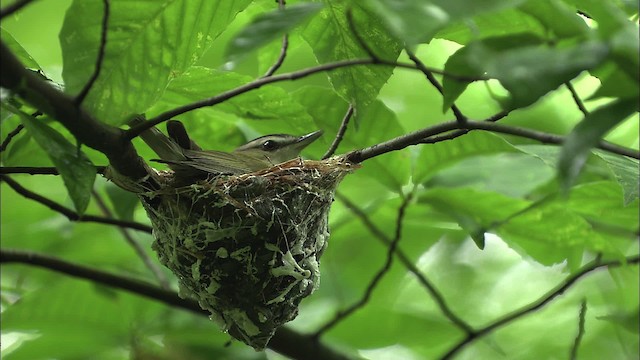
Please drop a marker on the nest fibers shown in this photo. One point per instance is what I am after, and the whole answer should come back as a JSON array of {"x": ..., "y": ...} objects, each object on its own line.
[{"x": 247, "y": 247}]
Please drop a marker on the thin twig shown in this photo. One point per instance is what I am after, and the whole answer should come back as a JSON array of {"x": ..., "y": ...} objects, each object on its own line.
[
  {"x": 146, "y": 260},
  {"x": 576, "y": 343},
  {"x": 460, "y": 117},
  {"x": 68, "y": 213},
  {"x": 283, "y": 48},
  {"x": 419, "y": 136},
  {"x": 343, "y": 314},
  {"x": 103, "y": 43},
  {"x": 10, "y": 9},
  {"x": 10, "y": 136},
  {"x": 44, "y": 170},
  {"x": 340, "y": 134},
  {"x": 536, "y": 305},
  {"x": 138, "y": 129},
  {"x": 404, "y": 259},
  {"x": 285, "y": 341},
  {"x": 576, "y": 98}
]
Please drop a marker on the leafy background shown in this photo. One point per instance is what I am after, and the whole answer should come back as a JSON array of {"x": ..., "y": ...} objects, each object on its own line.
[{"x": 496, "y": 221}]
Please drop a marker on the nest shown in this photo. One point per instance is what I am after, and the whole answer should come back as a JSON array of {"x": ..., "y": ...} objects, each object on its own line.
[{"x": 247, "y": 247}]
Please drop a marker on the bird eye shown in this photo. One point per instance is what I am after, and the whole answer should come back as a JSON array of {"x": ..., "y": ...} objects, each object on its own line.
[{"x": 269, "y": 145}]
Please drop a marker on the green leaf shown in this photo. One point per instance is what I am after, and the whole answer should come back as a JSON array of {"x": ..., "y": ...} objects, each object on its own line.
[
  {"x": 331, "y": 39},
  {"x": 77, "y": 171},
  {"x": 149, "y": 43},
  {"x": 532, "y": 71},
  {"x": 17, "y": 50},
  {"x": 462, "y": 62},
  {"x": 626, "y": 172},
  {"x": 434, "y": 158},
  {"x": 494, "y": 24},
  {"x": 416, "y": 22},
  {"x": 588, "y": 134},
  {"x": 270, "y": 109},
  {"x": 628, "y": 319},
  {"x": 378, "y": 124},
  {"x": 267, "y": 27},
  {"x": 124, "y": 202},
  {"x": 557, "y": 17},
  {"x": 615, "y": 83}
]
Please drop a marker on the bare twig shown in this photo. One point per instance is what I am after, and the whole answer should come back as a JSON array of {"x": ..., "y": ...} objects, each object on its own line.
[
  {"x": 10, "y": 137},
  {"x": 404, "y": 259},
  {"x": 285, "y": 341},
  {"x": 70, "y": 214},
  {"x": 576, "y": 98},
  {"x": 460, "y": 117},
  {"x": 541, "y": 302},
  {"x": 576, "y": 343},
  {"x": 418, "y": 137},
  {"x": 137, "y": 130},
  {"x": 340, "y": 134},
  {"x": 343, "y": 314},
  {"x": 103, "y": 43},
  {"x": 150, "y": 264},
  {"x": 10, "y": 9},
  {"x": 38, "y": 170},
  {"x": 283, "y": 49}
]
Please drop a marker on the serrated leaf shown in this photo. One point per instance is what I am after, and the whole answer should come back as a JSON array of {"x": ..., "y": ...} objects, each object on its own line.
[
  {"x": 331, "y": 39},
  {"x": 77, "y": 171},
  {"x": 149, "y": 43},
  {"x": 586, "y": 135},
  {"x": 267, "y": 27}
]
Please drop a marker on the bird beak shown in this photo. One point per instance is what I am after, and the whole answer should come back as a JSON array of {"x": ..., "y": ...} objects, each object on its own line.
[{"x": 304, "y": 140}]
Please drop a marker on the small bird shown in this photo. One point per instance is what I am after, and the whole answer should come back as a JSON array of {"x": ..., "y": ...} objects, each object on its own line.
[{"x": 187, "y": 159}]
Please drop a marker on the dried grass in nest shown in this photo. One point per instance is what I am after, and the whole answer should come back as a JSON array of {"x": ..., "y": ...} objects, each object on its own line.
[{"x": 247, "y": 247}]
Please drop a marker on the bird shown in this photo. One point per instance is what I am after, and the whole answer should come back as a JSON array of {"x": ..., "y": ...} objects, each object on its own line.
[{"x": 188, "y": 160}]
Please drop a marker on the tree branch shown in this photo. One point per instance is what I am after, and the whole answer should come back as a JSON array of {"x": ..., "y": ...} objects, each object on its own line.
[
  {"x": 10, "y": 137},
  {"x": 432, "y": 79},
  {"x": 138, "y": 129},
  {"x": 137, "y": 248},
  {"x": 576, "y": 343},
  {"x": 343, "y": 314},
  {"x": 38, "y": 170},
  {"x": 10, "y": 9},
  {"x": 109, "y": 140},
  {"x": 541, "y": 302},
  {"x": 283, "y": 48},
  {"x": 285, "y": 341},
  {"x": 68, "y": 213},
  {"x": 422, "y": 279},
  {"x": 417, "y": 137},
  {"x": 340, "y": 134},
  {"x": 103, "y": 43}
]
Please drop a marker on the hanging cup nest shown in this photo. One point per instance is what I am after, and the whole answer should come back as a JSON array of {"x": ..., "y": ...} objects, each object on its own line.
[{"x": 247, "y": 247}]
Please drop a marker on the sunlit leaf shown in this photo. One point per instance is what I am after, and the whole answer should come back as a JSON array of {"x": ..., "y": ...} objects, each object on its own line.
[
  {"x": 149, "y": 43},
  {"x": 587, "y": 134},
  {"x": 77, "y": 171},
  {"x": 267, "y": 27}
]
